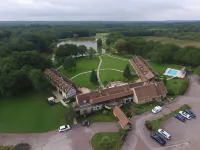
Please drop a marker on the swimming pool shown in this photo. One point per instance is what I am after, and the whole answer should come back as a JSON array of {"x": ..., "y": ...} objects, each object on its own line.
[{"x": 172, "y": 72}]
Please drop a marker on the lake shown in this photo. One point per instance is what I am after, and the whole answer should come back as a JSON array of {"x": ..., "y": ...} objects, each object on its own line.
[{"x": 87, "y": 43}]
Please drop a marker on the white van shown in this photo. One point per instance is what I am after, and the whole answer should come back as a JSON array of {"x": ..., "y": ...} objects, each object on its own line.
[{"x": 164, "y": 133}]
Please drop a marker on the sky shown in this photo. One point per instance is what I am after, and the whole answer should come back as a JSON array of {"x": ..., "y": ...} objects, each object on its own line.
[{"x": 99, "y": 10}]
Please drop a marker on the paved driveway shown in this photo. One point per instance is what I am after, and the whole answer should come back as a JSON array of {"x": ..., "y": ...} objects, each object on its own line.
[
  {"x": 76, "y": 139},
  {"x": 185, "y": 136}
]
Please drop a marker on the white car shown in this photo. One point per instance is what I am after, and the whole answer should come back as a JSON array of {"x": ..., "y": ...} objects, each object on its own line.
[
  {"x": 164, "y": 133},
  {"x": 64, "y": 128},
  {"x": 184, "y": 114},
  {"x": 156, "y": 109}
]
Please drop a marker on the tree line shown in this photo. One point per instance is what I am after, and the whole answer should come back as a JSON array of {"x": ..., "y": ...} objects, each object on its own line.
[{"x": 156, "y": 51}]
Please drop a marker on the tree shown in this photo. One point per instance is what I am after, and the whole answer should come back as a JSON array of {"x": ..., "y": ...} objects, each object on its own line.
[
  {"x": 69, "y": 63},
  {"x": 75, "y": 36},
  {"x": 70, "y": 114},
  {"x": 108, "y": 41},
  {"x": 82, "y": 49},
  {"x": 93, "y": 77},
  {"x": 127, "y": 72},
  {"x": 165, "y": 80},
  {"x": 121, "y": 46},
  {"x": 38, "y": 79},
  {"x": 106, "y": 142},
  {"x": 91, "y": 52},
  {"x": 99, "y": 43}
]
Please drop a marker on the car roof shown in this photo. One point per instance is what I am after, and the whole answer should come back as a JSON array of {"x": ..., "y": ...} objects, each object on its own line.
[{"x": 63, "y": 127}]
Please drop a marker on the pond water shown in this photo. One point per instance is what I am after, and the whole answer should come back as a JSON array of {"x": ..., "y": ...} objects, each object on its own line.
[{"x": 87, "y": 43}]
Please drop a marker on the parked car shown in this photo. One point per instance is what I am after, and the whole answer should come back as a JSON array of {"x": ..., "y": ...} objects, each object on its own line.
[
  {"x": 51, "y": 100},
  {"x": 86, "y": 123},
  {"x": 190, "y": 113},
  {"x": 156, "y": 109},
  {"x": 164, "y": 133},
  {"x": 158, "y": 138},
  {"x": 184, "y": 114},
  {"x": 64, "y": 128},
  {"x": 179, "y": 117}
]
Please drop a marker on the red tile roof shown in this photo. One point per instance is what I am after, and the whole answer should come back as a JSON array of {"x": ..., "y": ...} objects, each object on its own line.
[
  {"x": 59, "y": 80},
  {"x": 121, "y": 116},
  {"x": 143, "y": 69}
]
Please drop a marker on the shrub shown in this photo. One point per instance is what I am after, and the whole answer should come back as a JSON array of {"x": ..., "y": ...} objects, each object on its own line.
[
  {"x": 138, "y": 111},
  {"x": 105, "y": 112},
  {"x": 122, "y": 131},
  {"x": 184, "y": 86},
  {"x": 6, "y": 147},
  {"x": 148, "y": 125},
  {"x": 22, "y": 146}
]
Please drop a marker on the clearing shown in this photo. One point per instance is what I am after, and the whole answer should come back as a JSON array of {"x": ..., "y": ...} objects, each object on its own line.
[
  {"x": 30, "y": 113},
  {"x": 181, "y": 43}
]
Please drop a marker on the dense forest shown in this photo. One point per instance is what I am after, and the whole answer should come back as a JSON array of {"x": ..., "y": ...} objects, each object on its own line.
[{"x": 26, "y": 47}]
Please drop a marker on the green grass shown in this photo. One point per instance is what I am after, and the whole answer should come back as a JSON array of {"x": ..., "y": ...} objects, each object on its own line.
[
  {"x": 109, "y": 62},
  {"x": 84, "y": 81},
  {"x": 30, "y": 113},
  {"x": 98, "y": 136},
  {"x": 110, "y": 75},
  {"x": 160, "y": 68},
  {"x": 82, "y": 65},
  {"x": 181, "y": 43},
  {"x": 175, "y": 85},
  {"x": 156, "y": 124}
]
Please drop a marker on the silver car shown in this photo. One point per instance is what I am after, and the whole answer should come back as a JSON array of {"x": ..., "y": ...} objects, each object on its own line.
[{"x": 164, "y": 133}]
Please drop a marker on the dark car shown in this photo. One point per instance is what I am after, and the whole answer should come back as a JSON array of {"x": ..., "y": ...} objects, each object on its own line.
[
  {"x": 190, "y": 113},
  {"x": 179, "y": 117},
  {"x": 158, "y": 138},
  {"x": 86, "y": 123}
]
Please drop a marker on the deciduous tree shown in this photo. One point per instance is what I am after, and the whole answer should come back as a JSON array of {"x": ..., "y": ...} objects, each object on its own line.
[
  {"x": 69, "y": 63},
  {"x": 121, "y": 46},
  {"x": 91, "y": 52}
]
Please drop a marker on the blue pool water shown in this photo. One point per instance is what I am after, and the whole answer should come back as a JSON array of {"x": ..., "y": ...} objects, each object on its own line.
[{"x": 172, "y": 72}]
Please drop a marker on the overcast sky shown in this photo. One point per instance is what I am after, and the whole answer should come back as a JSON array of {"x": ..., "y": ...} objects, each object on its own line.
[{"x": 105, "y": 10}]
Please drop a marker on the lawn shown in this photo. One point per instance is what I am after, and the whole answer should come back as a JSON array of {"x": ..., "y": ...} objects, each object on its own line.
[
  {"x": 84, "y": 81},
  {"x": 110, "y": 75},
  {"x": 177, "y": 85},
  {"x": 82, "y": 65},
  {"x": 115, "y": 136},
  {"x": 181, "y": 43},
  {"x": 78, "y": 39},
  {"x": 160, "y": 68},
  {"x": 30, "y": 113},
  {"x": 109, "y": 62}
]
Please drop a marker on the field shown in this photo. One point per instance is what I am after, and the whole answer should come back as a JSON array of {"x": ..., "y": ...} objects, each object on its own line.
[
  {"x": 30, "y": 113},
  {"x": 78, "y": 39},
  {"x": 114, "y": 63},
  {"x": 115, "y": 136},
  {"x": 82, "y": 65},
  {"x": 181, "y": 43},
  {"x": 83, "y": 81}
]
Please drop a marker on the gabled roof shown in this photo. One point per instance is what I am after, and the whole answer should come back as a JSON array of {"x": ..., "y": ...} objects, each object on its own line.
[
  {"x": 103, "y": 95},
  {"x": 150, "y": 91},
  {"x": 59, "y": 80},
  {"x": 123, "y": 119},
  {"x": 143, "y": 69}
]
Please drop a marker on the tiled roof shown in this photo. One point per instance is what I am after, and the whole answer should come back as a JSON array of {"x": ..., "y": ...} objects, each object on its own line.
[
  {"x": 144, "y": 71},
  {"x": 150, "y": 91},
  {"x": 59, "y": 80},
  {"x": 121, "y": 116}
]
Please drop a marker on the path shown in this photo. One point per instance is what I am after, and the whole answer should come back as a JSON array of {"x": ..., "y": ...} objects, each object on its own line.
[
  {"x": 76, "y": 139},
  {"x": 117, "y": 57},
  {"x": 95, "y": 70},
  {"x": 59, "y": 67},
  {"x": 98, "y": 72}
]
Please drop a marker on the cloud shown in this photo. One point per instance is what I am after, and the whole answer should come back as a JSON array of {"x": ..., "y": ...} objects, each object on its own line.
[{"x": 120, "y": 10}]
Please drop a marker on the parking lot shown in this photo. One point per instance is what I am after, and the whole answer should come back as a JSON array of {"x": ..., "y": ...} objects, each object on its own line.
[{"x": 185, "y": 136}]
